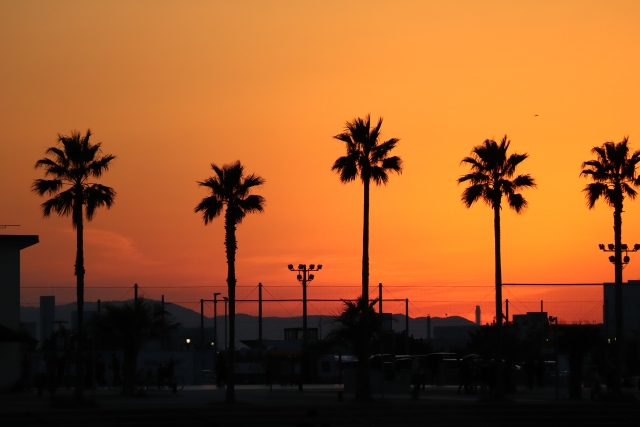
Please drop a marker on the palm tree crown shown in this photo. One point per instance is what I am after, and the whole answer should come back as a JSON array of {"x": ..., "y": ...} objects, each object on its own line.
[
  {"x": 366, "y": 157},
  {"x": 614, "y": 173},
  {"x": 73, "y": 163},
  {"x": 230, "y": 187},
  {"x": 491, "y": 173}
]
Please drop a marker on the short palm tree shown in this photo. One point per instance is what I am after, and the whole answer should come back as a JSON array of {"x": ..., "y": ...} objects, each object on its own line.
[
  {"x": 70, "y": 167},
  {"x": 370, "y": 160},
  {"x": 229, "y": 186},
  {"x": 491, "y": 178},
  {"x": 128, "y": 327},
  {"x": 349, "y": 325},
  {"x": 614, "y": 176}
]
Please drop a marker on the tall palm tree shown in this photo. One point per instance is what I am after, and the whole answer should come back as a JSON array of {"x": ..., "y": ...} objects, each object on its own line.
[
  {"x": 491, "y": 178},
  {"x": 368, "y": 158},
  {"x": 230, "y": 187},
  {"x": 614, "y": 176},
  {"x": 71, "y": 166}
]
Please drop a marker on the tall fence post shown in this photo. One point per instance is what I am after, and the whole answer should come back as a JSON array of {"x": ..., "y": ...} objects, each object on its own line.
[
  {"x": 507, "y": 311},
  {"x": 260, "y": 315},
  {"x": 201, "y": 323}
]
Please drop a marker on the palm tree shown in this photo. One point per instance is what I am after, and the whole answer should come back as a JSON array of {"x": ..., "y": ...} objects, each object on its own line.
[
  {"x": 490, "y": 179},
  {"x": 614, "y": 176},
  {"x": 370, "y": 160},
  {"x": 71, "y": 165},
  {"x": 128, "y": 327},
  {"x": 230, "y": 187},
  {"x": 350, "y": 325}
]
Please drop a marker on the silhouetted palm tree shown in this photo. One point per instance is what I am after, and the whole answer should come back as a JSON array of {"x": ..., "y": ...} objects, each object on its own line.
[
  {"x": 230, "y": 187},
  {"x": 128, "y": 327},
  {"x": 71, "y": 165},
  {"x": 370, "y": 160},
  {"x": 350, "y": 326},
  {"x": 491, "y": 178},
  {"x": 614, "y": 176}
]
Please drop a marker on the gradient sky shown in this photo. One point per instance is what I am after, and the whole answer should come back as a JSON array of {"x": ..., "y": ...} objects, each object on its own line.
[{"x": 170, "y": 87}]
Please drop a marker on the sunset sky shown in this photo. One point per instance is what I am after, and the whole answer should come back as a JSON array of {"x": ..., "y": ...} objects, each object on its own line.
[{"x": 170, "y": 87}]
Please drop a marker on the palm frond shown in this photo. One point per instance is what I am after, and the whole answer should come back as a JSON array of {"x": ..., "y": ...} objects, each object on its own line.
[
  {"x": 211, "y": 207},
  {"x": 379, "y": 175},
  {"x": 473, "y": 193},
  {"x": 101, "y": 165},
  {"x": 517, "y": 202},
  {"x": 46, "y": 186},
  {"x": 593, "y": 192},
  {"x": 393, "y": 163},
  {"x": 96, "y": 196},
  {"x": 347, "y": 167},
  {"x": 61, "y": 203},
  {"x": 523, "y": 181}
]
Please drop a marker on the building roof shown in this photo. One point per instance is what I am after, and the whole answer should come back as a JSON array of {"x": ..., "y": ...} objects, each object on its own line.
[{"x": 18, "y": 241}]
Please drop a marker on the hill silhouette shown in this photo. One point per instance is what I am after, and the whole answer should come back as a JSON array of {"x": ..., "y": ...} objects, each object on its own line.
[{"x": 247, "y": 325}]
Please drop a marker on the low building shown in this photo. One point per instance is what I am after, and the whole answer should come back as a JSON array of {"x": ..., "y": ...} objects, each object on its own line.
[{"x": 11, "y": 337}]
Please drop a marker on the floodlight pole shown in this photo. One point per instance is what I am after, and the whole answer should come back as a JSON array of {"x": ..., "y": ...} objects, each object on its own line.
[
  {"x": 304, "y": 277},
  {"x": 619, "y": 264}
]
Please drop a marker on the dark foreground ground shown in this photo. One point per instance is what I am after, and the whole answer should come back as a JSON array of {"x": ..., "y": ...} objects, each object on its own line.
[{"x": 257, "y": 406}]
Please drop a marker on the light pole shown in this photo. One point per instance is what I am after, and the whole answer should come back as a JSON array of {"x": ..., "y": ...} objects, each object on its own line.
[
  {"x": 623, "y": 248},
  {"x": 555, "y": 319},
  {"x": 620, "y": 263},
  {"x": 304, "y": 276},
  {"x": 226, "y": 301},
  {"x": 188, "y": 341}
]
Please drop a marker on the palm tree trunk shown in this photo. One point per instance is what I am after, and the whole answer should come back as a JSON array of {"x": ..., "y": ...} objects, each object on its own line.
[
  {"x": 363, "y": 388},
  {"x": 619, "y": 346},
  {"x": 499, "y": 391},
  {"x": 79, "y": 271},
  {"x": 231, "y": 246}
]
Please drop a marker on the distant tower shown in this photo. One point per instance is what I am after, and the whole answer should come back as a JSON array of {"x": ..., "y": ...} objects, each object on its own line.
[
  {"x": 428, "y": 327},
  {"x": 47, "y": 316},
  {"x": 478, "y": 321}
]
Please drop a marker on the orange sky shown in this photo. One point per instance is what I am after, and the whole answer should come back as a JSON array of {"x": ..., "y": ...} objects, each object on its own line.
[{"x": 170, "y": 87}]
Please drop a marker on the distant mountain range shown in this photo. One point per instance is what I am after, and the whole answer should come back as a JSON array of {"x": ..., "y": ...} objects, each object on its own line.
[{"x": 247, "y": 325}]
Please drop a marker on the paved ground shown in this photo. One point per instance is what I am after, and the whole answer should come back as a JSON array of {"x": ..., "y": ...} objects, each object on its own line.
[{"x": 315, "y": 406}]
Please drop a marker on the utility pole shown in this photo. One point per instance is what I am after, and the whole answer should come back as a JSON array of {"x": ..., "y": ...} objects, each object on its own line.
[{"x": 304, "y": 277}]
